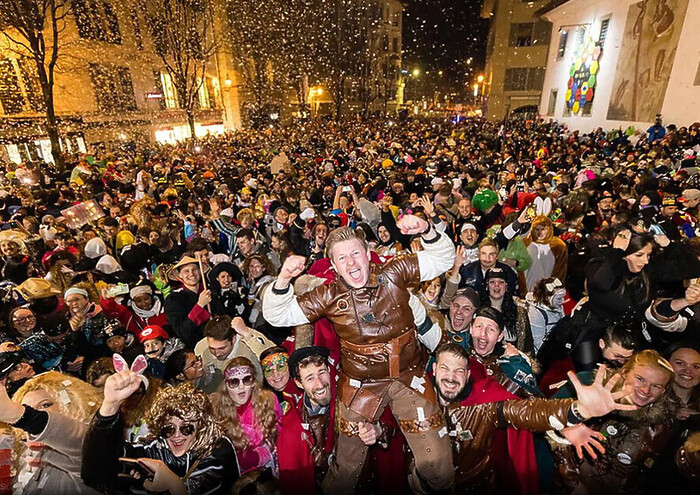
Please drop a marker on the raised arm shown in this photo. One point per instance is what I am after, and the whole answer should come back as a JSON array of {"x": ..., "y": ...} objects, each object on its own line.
[
  {"x": 280, "y": 307},
  {"x": 438, "y": 253}
]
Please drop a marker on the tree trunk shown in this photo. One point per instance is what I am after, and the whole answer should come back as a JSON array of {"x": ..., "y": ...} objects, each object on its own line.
[
  {"x": 190, "y": 122},
  {"x": 51, "y": 120}
]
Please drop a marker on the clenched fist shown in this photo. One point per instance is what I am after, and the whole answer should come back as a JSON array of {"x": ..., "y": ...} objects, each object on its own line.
[
  {"x": 293, "y": 267},
  {"x": 412, "y": 225}
]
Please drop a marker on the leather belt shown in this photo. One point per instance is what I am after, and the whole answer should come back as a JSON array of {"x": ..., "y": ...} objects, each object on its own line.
[{"x": 392, "y": 350}]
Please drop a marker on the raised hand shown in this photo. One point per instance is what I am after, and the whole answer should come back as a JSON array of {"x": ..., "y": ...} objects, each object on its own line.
[
  {"x": 584, "y": 438},
  {"x": 622, "y": 240},
  {"x": 118, "y": 387},
  {"x": 240, "y": 327},
  {"x": 597, "y": 399},
  {"x": 412, "y": 225},
  {"x": 293, "y": 267}
]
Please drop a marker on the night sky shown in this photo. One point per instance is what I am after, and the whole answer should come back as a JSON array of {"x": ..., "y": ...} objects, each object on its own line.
[{"x": 442, "y": 35}]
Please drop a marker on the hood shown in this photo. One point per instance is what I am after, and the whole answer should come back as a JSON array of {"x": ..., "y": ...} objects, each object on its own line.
[
  {"x": 95, "y": 248},
  {"x": 547, "y": 223}
]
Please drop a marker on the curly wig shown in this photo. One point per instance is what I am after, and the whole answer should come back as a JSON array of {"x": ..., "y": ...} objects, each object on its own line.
[
  {"x": 263, "y": 402},
  {"x": 191, "y": 405},
  {"x": 75, "y": 398}
]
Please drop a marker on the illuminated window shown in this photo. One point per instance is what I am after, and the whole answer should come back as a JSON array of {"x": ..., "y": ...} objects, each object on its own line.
[
  {"x": 169, "y": 93},
  {"x": 604, "y": 26}
]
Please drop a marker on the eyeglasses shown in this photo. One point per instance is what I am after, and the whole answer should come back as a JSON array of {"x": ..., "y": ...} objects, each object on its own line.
[
  {"x": 26, "y": 319},
  {"x": 169, "y": 430},
  {"x": 197, "y": 361},
  {"x": 235, "y": 382}
]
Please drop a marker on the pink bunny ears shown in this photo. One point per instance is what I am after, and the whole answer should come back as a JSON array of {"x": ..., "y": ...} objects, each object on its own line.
[{"x": 138, "y": 366}]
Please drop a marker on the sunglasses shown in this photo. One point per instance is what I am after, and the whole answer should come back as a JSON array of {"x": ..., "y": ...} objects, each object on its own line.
[
  {"x": 235, "y": 382},
  {"x": 168, "y": 431},
  {"x": 271, "y": 369}
]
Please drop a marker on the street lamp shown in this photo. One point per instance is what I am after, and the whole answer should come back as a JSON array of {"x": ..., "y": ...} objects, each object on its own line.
[
  {"x": 480, "y": 79},
  {"x": 416, "y": 72}
]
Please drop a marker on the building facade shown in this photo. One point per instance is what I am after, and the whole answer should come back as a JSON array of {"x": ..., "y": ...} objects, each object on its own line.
[
  {"x": 110, "y": 87},
  {"x": 619, "y": 64},
  {"x": 516, "y": 53}
]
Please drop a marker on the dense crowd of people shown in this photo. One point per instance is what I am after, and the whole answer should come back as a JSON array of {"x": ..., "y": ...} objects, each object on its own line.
[{"x": 379, "y": 307}]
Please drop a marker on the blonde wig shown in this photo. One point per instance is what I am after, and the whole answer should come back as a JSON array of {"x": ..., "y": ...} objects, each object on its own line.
[
  {"x": 263, "y": 402},
  {"x": 191, "y": 405},
  {"x": 75, "y": 398}
]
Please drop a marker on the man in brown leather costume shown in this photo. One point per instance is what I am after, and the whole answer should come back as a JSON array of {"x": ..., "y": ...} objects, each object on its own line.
[
  {"x": 382, "y": 363},
  {"x": 475, "y": 409}
]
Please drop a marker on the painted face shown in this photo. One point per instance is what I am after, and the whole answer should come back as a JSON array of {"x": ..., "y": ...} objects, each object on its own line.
[
  {"x": 224, "y": 279},
  {"x": 220, "y": 349},
  {"x": 488, "y": 255},
  {"x": 557, "y": 299},
  {"x": 316, "y": 383},
  {"x": 276, "y": 370},
  {"x": 190, "y": 275},
  {"x": 451, "y": 375},
  {"x": 461, "y": 313},
  {"x": 239, "y": 384},
  {"x": 686, "y": 365},
  {"x": 647, "y": 384},
  {"x": 485, "y": 334},
  {"x": 153, "y": 348},
  {"x": 639, "y": 259},
  {"x": 40, "y": 400},
  {"x": 178, "y": 435},
  {"x": 351, "y": 261}
]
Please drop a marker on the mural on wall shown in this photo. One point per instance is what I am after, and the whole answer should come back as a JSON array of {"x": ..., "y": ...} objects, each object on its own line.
[
  {"x": 583, "y": 74},
  {"x": 649, "y": 45}
]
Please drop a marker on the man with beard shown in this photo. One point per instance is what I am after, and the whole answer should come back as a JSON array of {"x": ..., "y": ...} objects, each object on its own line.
[
  {"x": 476, "y": 409},
  {"x": 310, "y": 418},
  {"x": 382, "y": 364}
]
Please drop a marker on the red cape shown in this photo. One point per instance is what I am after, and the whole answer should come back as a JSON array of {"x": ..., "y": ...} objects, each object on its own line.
[
  {"x": 294, "y": 443},
  {"x": 512, "y": 450}
]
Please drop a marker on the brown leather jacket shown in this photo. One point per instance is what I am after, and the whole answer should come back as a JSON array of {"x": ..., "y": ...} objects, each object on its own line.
[
  {"x": 378, "y": 335},
  {"x": 472, "y": 428},
  {"x": 378, "y": 339}
]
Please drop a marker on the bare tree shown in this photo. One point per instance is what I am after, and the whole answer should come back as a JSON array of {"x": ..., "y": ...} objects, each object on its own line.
[
  {"x": 182, "y": 32},
  {"x": 33, "y": 29}
]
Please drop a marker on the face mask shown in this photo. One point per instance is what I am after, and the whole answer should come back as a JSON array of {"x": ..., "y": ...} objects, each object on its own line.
[{"x": 556, "y": 300}]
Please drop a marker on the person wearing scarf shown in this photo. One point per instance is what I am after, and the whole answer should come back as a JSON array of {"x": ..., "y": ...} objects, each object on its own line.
[
  {"x": 188, "y": 307},
  {"x": 141, "y": 309}
]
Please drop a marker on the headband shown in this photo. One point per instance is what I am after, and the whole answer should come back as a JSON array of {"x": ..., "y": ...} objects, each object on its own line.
[
  {"x": 75, "y": 290},
  {"x": 239, "y": 371},
  {"x": 273, "y": 361}
]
